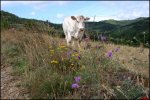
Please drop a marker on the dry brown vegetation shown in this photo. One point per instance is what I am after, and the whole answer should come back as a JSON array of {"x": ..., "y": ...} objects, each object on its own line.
[{"x": 125, "y": 75}]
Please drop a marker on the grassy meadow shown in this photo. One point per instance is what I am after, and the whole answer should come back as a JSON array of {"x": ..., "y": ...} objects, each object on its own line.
[{"x": 51, "y": 70}]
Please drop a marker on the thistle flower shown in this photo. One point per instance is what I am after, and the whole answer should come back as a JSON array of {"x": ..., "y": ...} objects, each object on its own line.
[
  {"x": 117, "y": 49},
  {"x": 79, "y": 57},
  {"x": 103, "y": 38},
  {"x": 75, "y": 50},
  {"x": 77, "y": 79},
  {"x": 75, "y": 85},
  {"x": 110, "y": 54},
  {"x": 69, "y": 54}
]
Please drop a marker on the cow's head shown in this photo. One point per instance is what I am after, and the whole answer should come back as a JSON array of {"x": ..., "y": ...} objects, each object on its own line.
[{"x": 80, "y": 23}]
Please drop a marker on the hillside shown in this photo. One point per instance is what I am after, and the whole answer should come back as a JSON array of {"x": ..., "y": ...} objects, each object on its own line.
[
  {"x": 122, "y": 22},
  {"x": 100, "y": 26},
  {"x": 40, "y": 66},
  {"x": 137, "y": 28},
  {"x": 9, "y": 20},
  {"x": 121, "y": 31}
]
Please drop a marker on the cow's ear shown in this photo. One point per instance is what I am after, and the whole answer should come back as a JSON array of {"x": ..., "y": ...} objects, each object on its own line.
[
  {"x": 73, "y": 18},
  {"x": 87, "y": 18}
]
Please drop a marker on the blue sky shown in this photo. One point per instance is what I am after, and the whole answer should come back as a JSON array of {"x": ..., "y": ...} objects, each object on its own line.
[{"x": 55, "y": 11}]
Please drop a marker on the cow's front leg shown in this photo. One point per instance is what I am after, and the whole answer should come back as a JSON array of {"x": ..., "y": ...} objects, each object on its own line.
[{"x": 68, "y": 39}]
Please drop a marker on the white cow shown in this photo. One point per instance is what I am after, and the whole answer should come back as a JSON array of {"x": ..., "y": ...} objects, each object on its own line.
[{"x": 74, "y": 28}]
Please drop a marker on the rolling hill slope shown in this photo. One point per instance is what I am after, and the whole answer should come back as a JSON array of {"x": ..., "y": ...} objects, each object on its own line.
[
  {"x": 8, "y": 19},
  {"x": 122, "y": 29}
]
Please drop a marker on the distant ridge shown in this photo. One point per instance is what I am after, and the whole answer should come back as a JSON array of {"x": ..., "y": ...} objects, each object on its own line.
[{"x": 117, "y": 29}]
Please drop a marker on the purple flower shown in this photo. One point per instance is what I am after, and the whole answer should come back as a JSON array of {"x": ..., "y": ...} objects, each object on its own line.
[
  {"x": 79, "y": 57},
  {"x": 69, "y": 54},
  {"x": 77, "y": 79},
  {"x": 103, "y": 38},
  {"x": 75, "y": 50},
  {"x": 110, "y": 54},
  {"x": 117, "y": 49},
  {"x": 75, "y": 85}
]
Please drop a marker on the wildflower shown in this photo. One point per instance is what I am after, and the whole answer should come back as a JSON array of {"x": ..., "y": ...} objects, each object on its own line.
[
  {"x": 62, "y": 46},
  {"x": 54, "y": 61},
  {"x": 77, "y": 79},
  {"x": 117, "y": 49},
  {"x": 69, "y": 54},
  {"x": 76, "y": 54},
  {"x": 73, "y": 55},
  {"x": 50, "y": 46},
  {"x": 65, "y": 48},
  {"x": 79, "y": 57},
  {"x": 75, "y": 50},
  {"x": 72, "y": 64},
  {"x": 103, "y": 38},
  {"x": 75, "y": 85},
  {"x": 52, "y": 50},
  {"x": 59, "y": 48},
  {"x": 110, "y": 54}
]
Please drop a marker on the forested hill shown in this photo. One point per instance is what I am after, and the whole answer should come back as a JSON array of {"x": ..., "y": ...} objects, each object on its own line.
[
  {"x": 9, "y": 19},
  {"x": 113, "y": 25},
  {"x": 120, "y": 30}
]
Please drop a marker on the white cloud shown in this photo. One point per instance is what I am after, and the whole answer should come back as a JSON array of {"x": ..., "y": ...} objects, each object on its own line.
[
  {"x": 32, "y": 13},
  {"x": 35, "y": 4},
  {"x": 60, "y": 2},
  {"x": 5, "y": 3},
  {"x": 132, "y": 14},
  {"x": 60, "y": 16}
]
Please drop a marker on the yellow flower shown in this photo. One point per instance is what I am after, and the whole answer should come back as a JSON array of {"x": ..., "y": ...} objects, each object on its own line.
[
  {"x": 73, "y": 55},
  {"x": 52, "y": 50},
  {"x": 72, "y": 64},
  {"x": 50, "y": 46},
  {"x": 54, "y": 61},
  {"x": 59, "y": 48},
  {"x": 65, "y": 48},
  {"x": 76, "y": 54},
  {"x": 62, "y": 46}
]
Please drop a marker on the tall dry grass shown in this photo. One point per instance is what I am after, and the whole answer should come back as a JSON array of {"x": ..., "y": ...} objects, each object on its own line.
[
  {"x": 32, "y": 47},
  {"x": 101, "y": 77}
]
